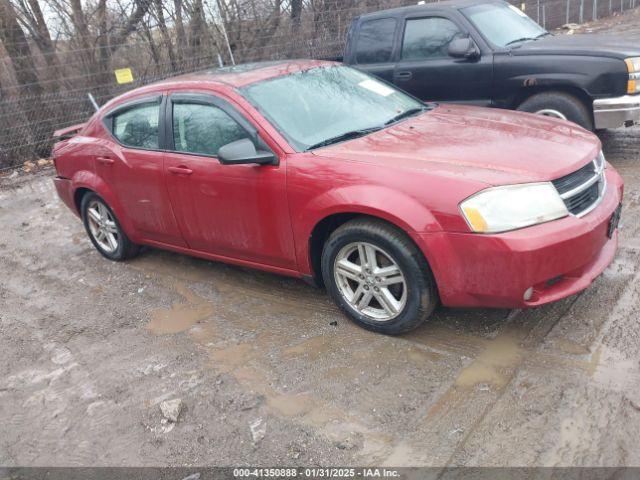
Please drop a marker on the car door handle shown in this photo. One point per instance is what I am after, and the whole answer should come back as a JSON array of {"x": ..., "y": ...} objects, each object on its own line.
[
  {"x": 105, "y": 160},
  {"x": 180, "y": 170},
  {"x": 404, "y": 76}
]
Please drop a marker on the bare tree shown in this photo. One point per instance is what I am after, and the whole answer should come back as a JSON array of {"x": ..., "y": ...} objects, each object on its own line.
[
  {"x": 19, "y": 52},
  {"x": 158, "y": 12}
]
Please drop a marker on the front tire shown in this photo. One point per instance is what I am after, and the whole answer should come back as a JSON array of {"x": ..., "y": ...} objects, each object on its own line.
[
  {"x": 378, "y": 277},
  {"x": 559, "y": 105},
  {"x": 104, "y": 230}
]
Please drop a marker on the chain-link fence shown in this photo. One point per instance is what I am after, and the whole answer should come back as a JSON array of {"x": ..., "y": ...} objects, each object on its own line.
[{"x": 28, "y": 119}]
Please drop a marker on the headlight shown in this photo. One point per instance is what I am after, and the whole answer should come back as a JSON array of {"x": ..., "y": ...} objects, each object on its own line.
[
  {"x": 500, "y": 209},
  {"x": 633, "y": 67}
]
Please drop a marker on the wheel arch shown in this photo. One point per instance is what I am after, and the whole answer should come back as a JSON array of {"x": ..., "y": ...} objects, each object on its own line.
[
  {"x": 78, "y": 195},
  {"x": 526, "y": 93},
  {"x": 87, "y": 182},
  {"x": 327, "y": 225}
]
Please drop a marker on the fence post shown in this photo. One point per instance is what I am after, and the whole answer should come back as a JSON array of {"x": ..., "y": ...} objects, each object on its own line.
[
  {"x": 567, "y": 18},
  {"x": 544, "y": 16},
  {"x": 581, "y": 17},
  {"x": 594, "y": 14}
]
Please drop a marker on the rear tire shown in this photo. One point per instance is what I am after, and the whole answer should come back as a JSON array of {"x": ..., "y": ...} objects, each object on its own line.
[
  {"x": 378, "y": 277},
  {"x": 559, "y": 105},
  {"x": 104, "y": 229}
]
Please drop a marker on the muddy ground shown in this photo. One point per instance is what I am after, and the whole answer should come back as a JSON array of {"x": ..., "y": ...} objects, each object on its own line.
[{"x": 89, "y": 350}]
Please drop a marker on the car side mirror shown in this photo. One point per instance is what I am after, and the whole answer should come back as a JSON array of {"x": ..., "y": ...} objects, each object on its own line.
[
  {"x": 463, "y": 48},
  {"x": 243, "y": 152}
]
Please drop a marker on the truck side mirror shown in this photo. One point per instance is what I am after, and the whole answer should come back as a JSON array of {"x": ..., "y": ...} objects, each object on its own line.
[{"x": 463, "y": 48}]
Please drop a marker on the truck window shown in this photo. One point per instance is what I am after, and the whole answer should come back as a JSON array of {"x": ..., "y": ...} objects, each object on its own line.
[
  {"x": 428, "y": 37},
  {"x": 375, "y": 41}
]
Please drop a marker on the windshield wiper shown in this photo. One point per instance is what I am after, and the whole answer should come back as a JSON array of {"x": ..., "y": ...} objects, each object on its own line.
[
  {"x": 523, "y": 39},
  {"x": 407, "y": 113},
  {"x": 543, "y": 34},
  {"x": 342, "y": 137},
  {"x": 364, "y": 131}
]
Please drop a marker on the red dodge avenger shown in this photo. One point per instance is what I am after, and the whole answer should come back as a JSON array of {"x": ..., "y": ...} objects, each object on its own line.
[{"x": 316, "y": 170}]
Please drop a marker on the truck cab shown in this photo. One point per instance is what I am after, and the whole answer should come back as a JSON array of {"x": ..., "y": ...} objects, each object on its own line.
[{"x": 490, "y": 53}]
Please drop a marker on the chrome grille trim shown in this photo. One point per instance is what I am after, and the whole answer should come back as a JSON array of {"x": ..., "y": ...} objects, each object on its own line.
[
  {"x": 578, "y": 194},
  {"x": 582, "y": 187},
  {"x": 594, "y": 205}
]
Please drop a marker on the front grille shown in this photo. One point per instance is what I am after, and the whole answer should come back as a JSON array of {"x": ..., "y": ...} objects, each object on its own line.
[
  {"x": 583, "y": 189},
  {"x": 582, "y": 200},
  {"x": 573, "y": 180}
]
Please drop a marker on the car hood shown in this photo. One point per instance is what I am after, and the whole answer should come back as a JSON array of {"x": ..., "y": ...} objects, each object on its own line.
[
  {"x": 587, "y": 44},
  {"x": 495, "y": 147}
]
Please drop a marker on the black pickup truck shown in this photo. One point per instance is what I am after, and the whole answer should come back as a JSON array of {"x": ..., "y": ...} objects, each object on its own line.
[{"x": 490, "y": 53}]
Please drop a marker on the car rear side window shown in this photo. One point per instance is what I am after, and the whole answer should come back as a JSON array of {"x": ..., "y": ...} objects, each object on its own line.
[
  {"x": 137, "y": 127},
  {"x": 203, "y": 129},
  {"x": 375, "y": 41},
  {"x": 428, "y": 37}
]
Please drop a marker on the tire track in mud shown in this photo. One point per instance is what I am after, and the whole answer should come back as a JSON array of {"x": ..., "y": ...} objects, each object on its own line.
[{"x": 478, "y": 386}]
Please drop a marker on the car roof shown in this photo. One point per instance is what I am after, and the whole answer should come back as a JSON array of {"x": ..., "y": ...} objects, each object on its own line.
[
  {"x": 417, "y": 9},
  {"x": 244, "y": 74},
  {"x": 234, "y": 77}
]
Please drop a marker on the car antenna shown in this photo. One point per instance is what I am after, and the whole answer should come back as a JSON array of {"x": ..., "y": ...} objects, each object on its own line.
[{"x": 93, "y": 101}]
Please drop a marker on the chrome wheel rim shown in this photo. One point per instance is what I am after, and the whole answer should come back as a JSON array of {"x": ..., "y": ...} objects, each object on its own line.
[
  {"x": 103, "y": 226},
  {"x": 549, "y": 112},
  {"x": 371, "y": 281}
]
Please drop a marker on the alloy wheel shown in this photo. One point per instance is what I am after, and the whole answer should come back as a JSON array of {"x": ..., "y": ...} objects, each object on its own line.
[
  {"x": 103, "y": 227},
  {"x": 371, "y": 281},
  {"x": 549, "y": 112}
]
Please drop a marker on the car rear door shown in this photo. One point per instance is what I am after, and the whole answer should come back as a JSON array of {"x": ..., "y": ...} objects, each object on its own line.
[
  {"x": 235, "y": 211},
  {"x": 426, "y": 70},
  {"x": 131, "y": 163}
]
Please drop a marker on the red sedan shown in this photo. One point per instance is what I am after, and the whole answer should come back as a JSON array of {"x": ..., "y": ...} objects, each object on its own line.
[{"x": 316, "y": 170}]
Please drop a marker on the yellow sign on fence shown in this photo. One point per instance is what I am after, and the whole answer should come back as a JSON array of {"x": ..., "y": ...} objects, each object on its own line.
[{"x": 124, "y": 75}]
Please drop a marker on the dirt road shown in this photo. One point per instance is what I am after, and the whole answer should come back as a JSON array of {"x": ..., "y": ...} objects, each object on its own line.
[{"x": 270, "y": 373}]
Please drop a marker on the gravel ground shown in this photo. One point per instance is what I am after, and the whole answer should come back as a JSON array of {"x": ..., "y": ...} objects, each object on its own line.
[{"x": 270, "y": 373}]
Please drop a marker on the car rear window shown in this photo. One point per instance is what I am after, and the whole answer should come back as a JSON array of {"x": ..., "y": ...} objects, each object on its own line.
[{"x": 137, "y": 127}]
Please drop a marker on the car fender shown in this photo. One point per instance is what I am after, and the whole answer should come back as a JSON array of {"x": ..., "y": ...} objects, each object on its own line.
[
  {"x": 91, "y": 181},
  {"x": 397, "y": 208}
]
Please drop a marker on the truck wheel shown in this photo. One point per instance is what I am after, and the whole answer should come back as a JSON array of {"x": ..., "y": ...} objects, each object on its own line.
[
  {"x": 559, "y": 105},
  {"x": 378, "y": 277},
  {"x": 104, "y": 230}
]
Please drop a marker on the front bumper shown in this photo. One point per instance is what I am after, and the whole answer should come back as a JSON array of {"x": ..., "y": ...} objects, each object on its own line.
[
  {"x": 616, "y": 112},
  {"x": 557, "y": 259}
]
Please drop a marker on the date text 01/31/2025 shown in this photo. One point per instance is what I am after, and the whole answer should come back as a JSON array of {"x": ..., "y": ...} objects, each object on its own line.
[{"x": 315, "y": 473}]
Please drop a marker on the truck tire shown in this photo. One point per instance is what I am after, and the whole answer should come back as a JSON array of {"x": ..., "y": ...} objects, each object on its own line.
[
  {"x": 378, "y": 276},
  {"x": 559, "y": 105}
]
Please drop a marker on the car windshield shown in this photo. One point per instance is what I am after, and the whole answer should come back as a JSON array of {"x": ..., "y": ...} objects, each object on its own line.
[
  {"x": 503, "y": 25},
  {"x": 326, "y": 105}
]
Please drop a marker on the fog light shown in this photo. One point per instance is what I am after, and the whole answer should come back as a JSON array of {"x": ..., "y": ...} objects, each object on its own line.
[{"x": 528, "y": 293}]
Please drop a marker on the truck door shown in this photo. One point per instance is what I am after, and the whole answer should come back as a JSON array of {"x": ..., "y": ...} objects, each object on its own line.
[
  {"x": 373, "y": 47},
  {"x": 426, "y": 70}
]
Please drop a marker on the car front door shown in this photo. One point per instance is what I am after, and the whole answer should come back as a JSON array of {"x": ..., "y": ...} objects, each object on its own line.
[
  {"x": 234, "y": 211},
  {"x": 131, "y": 164},
  {"x": 426, "y": 70}
]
